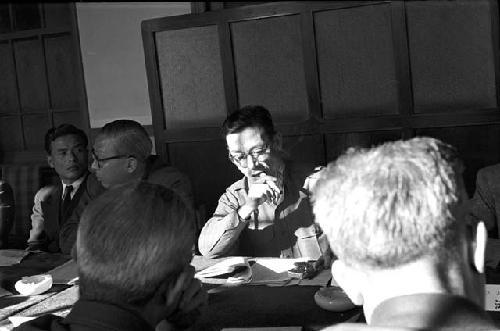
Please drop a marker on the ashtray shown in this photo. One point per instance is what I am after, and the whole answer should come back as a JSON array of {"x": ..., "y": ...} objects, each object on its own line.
[{"x": 333, "y": 299}]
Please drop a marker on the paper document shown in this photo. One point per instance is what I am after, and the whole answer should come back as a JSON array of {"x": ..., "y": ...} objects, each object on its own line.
[
  {"x": 235, "y": 270},
  {"x": 65, "y": 274},
  {"x": 273, "y": 271},
  {"x": 492, "y": 297},
  {"x": 271, "y": 328},
  {"x": 9, "y": 257}
]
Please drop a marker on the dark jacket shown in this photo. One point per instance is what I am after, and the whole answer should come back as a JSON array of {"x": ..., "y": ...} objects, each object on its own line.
[
  {"x": 425, "y": 311},
  {"x": 46, "y": 220},
  {"x": 90, "y": 315}
]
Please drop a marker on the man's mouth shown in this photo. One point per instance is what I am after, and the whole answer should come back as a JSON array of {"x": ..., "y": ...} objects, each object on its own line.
[{"x": 73, "y": 168}]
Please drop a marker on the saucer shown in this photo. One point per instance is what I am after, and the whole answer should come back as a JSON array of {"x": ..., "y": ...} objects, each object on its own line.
[{"x": 333, "y": 299}]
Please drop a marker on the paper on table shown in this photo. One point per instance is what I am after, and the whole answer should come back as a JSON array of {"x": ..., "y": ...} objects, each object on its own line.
[
  {"x": 4, "y": 292},
  {"x": 492, "y": 297},
  {"x": 228, "y": 266},
  {"x": 9, "y": 257},
  {"x": 272, "y": 328},
  {"x": 272, "y": 271},
  {"x": 321, "y": 279},
  {"x": 17, "y": 320},
  {"x": 66, "y": 273}
]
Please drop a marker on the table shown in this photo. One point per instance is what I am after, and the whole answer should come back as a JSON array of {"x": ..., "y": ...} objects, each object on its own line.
[
  {"x": 259, "y": 306},
  {"x": 233, "y": 306},
  {"x": 32, "y": 264}
]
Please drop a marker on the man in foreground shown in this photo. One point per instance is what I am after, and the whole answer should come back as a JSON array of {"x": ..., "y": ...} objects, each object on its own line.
[
  {"x": 267, "y": 212},
  {"x": 395, "y": 218},
  {"x": 134, "y": 248},
  {"x": 121, "y": 155},
  {"x": 485, "y": 207},
  {"x": 67, "y": 154}
]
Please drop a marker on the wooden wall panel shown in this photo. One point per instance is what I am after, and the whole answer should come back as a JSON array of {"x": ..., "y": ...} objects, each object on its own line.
[
  {"x": 35, "y": 127},
  {"x": 478, "y": 146},
  {"x": 451, "y": 52},
  {"x": 30, "y": 67},
  {"x": 5, "y": 23},
  {"x": 337, "y": 144},
  {"x": 10, "y": 137},
  {"x": 308, "y": 149},
  {"x": 8, "y": 89},
  {"x": 191, "y": 77},
  {"x": 355, "y": 61},
  {"x": 70, "y": 117},
  {"x": 269, "y": 66},
  {"x": 58, "y": 15},
  {"x": 27, "y": 16},
  {"x": 61, "y": 71},
  {"x": 208, "y": 167},
  {"x": 337, "y": 74}
]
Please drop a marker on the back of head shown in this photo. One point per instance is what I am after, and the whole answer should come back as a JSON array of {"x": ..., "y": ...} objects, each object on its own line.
[
  {"x": 130, "y": 138},
  {"x": 392, "y": 204},
  {"x": 249, "y": 117},
  {"x": 63, "y": 130},
  {"x": 130, "y": 240}
]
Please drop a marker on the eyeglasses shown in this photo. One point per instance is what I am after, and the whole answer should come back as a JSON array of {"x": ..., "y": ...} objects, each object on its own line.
[
  {"x": 258, "y": 153},
  {"x": 100, "y": 162}
]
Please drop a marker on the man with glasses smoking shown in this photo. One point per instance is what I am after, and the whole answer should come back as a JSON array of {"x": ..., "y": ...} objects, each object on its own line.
[
  {"x": 267, "y": 212},
  {"x": 121, "y": 155}
]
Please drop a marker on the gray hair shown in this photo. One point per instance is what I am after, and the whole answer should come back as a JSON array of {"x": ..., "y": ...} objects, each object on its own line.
[
  {"x": 130, "y": 240},
  {"x": 130, "y": 138},
  {"x": 392, "y": 204}
]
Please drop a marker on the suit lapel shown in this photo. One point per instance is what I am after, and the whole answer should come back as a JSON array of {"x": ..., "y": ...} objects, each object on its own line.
[
  {"x": 75, "y": 199},
  {"x": 50, "y": 208}
]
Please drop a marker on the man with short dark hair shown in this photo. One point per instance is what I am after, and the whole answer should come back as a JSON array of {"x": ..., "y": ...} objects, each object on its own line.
[
  {"x": 67, "y": 154},
  {"x": 134, "y": 248},
  {"x": 267, "y": 212},
  {"x": 121, "y": 155},
  {"x": 395, "y": 218}
]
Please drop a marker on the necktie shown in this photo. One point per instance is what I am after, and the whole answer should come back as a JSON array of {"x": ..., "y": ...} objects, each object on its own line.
[{"x": 66, "y": 200}]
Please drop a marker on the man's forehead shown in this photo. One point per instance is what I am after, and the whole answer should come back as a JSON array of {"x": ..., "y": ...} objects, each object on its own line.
[
  {"x": 67, "y": 141},
  {"x": 103, "y": 144},
  {"x": 245, "y": 140}
]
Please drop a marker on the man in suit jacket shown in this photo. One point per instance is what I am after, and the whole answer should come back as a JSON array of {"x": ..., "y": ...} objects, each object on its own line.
[
  {"x": 122, "y": 154},
  {"x": 395, "y": 218},
  {"x": 485, "y": 207},
  {"x": 67, "y": 154}
]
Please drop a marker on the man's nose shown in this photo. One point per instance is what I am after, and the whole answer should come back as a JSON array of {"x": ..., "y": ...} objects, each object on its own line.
[
  {"x": 250, "y": 162},
  {"x": 93, "y": 165},
  {"x": 71, "y": 156}
]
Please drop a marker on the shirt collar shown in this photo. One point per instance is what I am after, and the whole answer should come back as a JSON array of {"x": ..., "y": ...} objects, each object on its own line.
[{"x": 76, "y": 185}]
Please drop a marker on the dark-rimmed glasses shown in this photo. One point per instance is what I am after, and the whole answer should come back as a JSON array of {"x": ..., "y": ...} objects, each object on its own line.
[
  {"x": 256, "y": 153},
  {"x": 100, "y": 162}
]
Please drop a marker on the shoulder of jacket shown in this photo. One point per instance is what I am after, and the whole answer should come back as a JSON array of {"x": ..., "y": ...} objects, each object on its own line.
[
  {"x": 493, "y": 170},
  {"x": 46, "y": 191}
]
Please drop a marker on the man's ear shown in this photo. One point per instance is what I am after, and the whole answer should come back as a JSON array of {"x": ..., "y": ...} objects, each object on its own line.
[
  {"x": 350, "y": 279},
  {"x": 50, "y": 161},
  {"x": 481, "y": 238},
  {"x": 132, "y": 164}
]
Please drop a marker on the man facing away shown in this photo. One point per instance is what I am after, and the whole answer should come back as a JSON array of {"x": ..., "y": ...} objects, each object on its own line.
[
  {"x": 121, "y": 155},
  {"x": 485, "y": 207},
  {"x": 67, "y": 154},
  {"x": 134, "y": 248},
  {"x": 395, "y": 218},
  {"x": 267, "y": 212}
]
